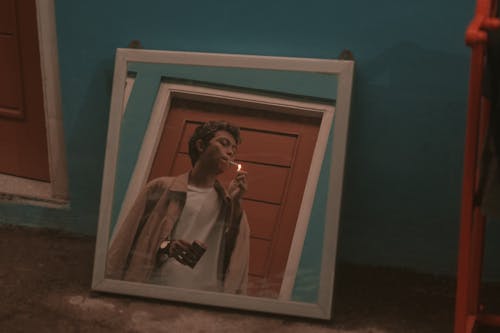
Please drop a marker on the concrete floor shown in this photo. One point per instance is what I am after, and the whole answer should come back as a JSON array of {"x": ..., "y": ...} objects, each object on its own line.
[{"x": 45, "y": 277}]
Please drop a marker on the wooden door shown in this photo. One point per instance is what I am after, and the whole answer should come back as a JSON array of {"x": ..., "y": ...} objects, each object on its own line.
[
  {"x": 276, "y": 151},
  {"x": 23, "y": 143}
]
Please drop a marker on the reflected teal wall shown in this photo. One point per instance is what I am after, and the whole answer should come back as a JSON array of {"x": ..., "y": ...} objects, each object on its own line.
[{"x": 403, "y": 176}]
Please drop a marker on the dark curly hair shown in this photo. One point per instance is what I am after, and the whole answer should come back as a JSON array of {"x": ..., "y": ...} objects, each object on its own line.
[{"x": 206, "y": 132}]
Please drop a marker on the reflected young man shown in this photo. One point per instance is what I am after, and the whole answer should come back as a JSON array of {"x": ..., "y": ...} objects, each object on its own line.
[{"x": 189, "y": 231}]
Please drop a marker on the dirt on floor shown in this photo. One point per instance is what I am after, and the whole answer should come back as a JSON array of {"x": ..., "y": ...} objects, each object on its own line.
[{"x": 45, "y": 279}]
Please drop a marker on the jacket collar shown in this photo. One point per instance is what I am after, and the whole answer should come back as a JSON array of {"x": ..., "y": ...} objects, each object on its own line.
[{"x": 180, "y": 183}]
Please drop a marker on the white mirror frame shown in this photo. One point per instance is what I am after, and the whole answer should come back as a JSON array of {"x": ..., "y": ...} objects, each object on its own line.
[{"x": 343, "y": 69}]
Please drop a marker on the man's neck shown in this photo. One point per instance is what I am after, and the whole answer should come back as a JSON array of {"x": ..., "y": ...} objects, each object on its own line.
[{"x": 201, "y": 178}]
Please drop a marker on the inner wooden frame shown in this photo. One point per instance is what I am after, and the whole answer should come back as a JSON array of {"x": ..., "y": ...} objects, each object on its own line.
[{"x": 341, "y": 68}]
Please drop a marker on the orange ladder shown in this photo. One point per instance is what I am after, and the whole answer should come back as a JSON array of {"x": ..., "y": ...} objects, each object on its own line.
[{"x": 472, "y": 222}]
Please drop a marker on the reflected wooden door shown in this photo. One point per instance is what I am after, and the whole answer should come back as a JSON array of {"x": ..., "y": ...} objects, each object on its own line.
[
  {"x": 23, "y": 143},
  {"x": 276, "y": 151}
]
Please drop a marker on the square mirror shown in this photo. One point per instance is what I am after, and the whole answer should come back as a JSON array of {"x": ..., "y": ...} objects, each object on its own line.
[{"x": 223, "y": 180}]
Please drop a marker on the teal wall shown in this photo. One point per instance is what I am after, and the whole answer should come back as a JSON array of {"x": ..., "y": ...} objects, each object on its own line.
[{"x": 403, "y": 172}]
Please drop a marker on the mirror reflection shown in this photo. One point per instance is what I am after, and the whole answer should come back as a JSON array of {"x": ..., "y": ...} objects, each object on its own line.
[{"x": 200, "y": 222}]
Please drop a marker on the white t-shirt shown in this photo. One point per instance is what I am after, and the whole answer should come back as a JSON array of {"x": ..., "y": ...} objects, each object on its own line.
[{"x": 198, "y": 221}]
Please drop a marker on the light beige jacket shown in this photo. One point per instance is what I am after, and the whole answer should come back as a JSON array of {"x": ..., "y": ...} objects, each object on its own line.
[{"x": 133, "y": 252}]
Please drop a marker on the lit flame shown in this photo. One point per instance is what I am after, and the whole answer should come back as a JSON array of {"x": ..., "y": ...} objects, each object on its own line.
[{"x": 237, "y": 164}]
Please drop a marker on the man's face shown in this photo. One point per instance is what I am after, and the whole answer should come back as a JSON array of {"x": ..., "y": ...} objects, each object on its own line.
[{"x": 219, "y": 151}]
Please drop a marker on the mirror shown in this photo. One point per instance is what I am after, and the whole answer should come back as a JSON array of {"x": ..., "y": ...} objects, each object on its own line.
[{"x": 179, "y": 221}]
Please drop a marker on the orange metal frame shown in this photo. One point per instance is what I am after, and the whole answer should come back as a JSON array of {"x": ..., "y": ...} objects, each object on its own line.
[{"x": 472, "y": 222}]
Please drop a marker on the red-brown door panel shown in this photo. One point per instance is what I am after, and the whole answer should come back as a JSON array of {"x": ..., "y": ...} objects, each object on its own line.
[
  {"x": 10, "y": 78},
  {"x": 259, "y": 254},
  {"x": 7, "y": 17},
  {"x": 262, "y": 218}
]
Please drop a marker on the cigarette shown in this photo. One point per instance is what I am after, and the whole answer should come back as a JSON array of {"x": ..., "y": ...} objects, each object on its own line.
[{"x": 237, "y": 164}]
